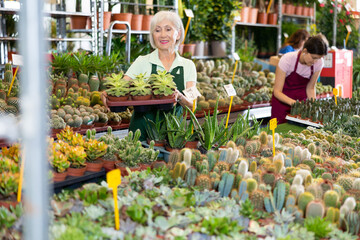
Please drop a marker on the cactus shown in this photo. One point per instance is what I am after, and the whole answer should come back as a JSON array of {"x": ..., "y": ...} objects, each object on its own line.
[
  {"x": 308, "y": 180},
  {"x": 279, "y": 164},
  {"x": 8, "y": 67},
  {"x": 353, "y": 222},
  {"x": 345, "y": 182},
  {"x": 312, "y": 148},
  {"x": 8, "y": 76},
  {"x": 251, "y": 185},
  {"x": 243, "y": 194},
  {"x": 231, "y": 144},
  {"x": 332, "y": 214},
  {"x": 226, "y": 183},
  {"x": 268, "y": 178},
  {"x": 253, "y": 167},
  {"x": 305, "y": 154},
  {"x": 326, "y": 176},
  {"x": 186, "y": 156},
  {"x": 257, "y": 199},
  {"x": 304, "y": 199},
  {"x": 314, "y": 209},
  {"x": 263, "y": 138},
  {"x": 331, "y": 198},
  {"x": 350, "y": 203},
  {"x": 211, "y": 159},
  {"x": 222, "y": 166},
  {"x": 190, "y": 176},
  {"x": 290, "y": 201},
  {"x": 204, "y": 182},
  {"x": 232, "y": 156},
  {"x": 243, "y": 168},
  {"x": 223, "y": 155},
  {"x": 237, "y": 182},
  {"x": 356, "y": 184},
  {"x": 94, "y": 83},
  {"x": 179, "y": 171},
  {"x": 174, "y": 158},
  {"x": 83, "y": 78}
]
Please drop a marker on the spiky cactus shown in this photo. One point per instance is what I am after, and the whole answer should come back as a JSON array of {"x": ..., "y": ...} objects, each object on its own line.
[
  {"x": 315, "y": 208},
  {"x": 226, "y": 183},
  {"x": 251, "y": 185},
  {"x": 190, "y": 176},
  {"x": 346, "y": 182},
  {"x": 257, "y": 199},
  {"x": 332, "y": 214},
  {"x": 331, "y": 198},
  {"x": 203, "y": 181},
  {"x": 179, "y": 171},
  {"x": 263, "y": 137},
  {"x": 222, "y": 166},
  {"x": 304, "y": 199}
]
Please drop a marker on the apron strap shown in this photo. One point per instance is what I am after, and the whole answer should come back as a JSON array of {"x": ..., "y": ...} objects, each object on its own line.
[
  {"x": 297, "y": 61},
  {"x": 153, "y": 68}
]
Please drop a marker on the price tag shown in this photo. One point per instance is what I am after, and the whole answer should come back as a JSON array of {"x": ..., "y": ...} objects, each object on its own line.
[
  {"x": 273, "y": 126},
  {"x": 236, "y": 56},
  {"x": 189, "y": 13},
  {"x": 17, "y": 59},
  {"x": 113, "y": 179},
  {"x": 348, "y": 28},
  {"x": 229, "y": 88},
  {"x": 192, "y": 93}
]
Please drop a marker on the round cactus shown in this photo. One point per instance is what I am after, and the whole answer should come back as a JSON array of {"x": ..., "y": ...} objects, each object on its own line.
[
  {"x": 331, "y": 198},
  {"x": 268, "y": 178},
  {"x": 253, "y": 166},
  {"x": 345, "y": 182},
  {"x": 304, "y": 199},
  {"x": 332, "y": 214},
  {"x": 312, "y": 148},
  {"x": 257, "y": 199},
  {"x": 356, "y": 184},
  {"x": 251, "y": 185},
  {"x": 263, "y": 138},
  {"x": 326, "y": 176},
  {"x": 315, "y": 208},
  {"x": 222, "y": 166},
  {"x": 204, "y": 182}
]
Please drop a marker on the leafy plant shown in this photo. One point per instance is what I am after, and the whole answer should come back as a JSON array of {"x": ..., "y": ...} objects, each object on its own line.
[
  {"x": 92, "y": 196},
  {"x": 156, "y": 130},
  {"x": 94, "y": 149},
  {"x": 140, "y": 86},
  {"x": 218, "y": 226},
  {"x": 162, "y": 83},
  {"x": 320, "y": 227},
  {"x": 9, "y": 184},
  {"x": 58, "y": 161},
  {"x": 175, "y": 127},
  {"x": 181, "y": 198},
  {"x": 116, "y": 85}
]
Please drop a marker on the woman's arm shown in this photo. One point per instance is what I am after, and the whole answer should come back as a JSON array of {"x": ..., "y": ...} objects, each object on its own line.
[
  {"x": 280, "y": 76},
  {"x": 310, "y": 87},
  {"x": 184, "y": 101}
]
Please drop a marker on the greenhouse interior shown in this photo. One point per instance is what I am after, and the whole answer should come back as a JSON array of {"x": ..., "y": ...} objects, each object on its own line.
[{"x": 179, "y": 119}]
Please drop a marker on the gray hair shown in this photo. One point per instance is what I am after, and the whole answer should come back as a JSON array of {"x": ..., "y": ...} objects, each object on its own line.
[{"x": 173, "y": 18}]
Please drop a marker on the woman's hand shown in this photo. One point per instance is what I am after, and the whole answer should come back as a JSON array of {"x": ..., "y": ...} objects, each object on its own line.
[{"x": 103, "y": 96}]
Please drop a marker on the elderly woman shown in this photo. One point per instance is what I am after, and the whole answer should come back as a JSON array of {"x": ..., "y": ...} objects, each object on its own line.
[{"x": 166, "y": 34}]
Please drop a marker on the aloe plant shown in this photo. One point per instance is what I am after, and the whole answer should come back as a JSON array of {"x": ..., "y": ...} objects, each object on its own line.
[
  {"x": 211, "y": 133},
  {"x": 162, "y": 83},
  {"x": 175, "y": 125},
  {"x": 140, "y": 86},
  {"x": 156, "y": 130}
]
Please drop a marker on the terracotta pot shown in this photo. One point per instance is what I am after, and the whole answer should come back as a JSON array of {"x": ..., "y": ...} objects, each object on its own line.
[
  {"x": 113, "y": 123},
  {"x": 253, "y": 15},
  {"x": 125, "y": 120},
  {"x": 283, "y": 6},
  {"x": 262, "y": 18},
  {"x": 84, "y": 126},
  {"x": 141, "y": 98},
  {"x": 108, "y": 165},
  {"x": 7, "y": 204},
  {"x": 245, "y": 11},
  {"x": 272, "y": 18},
  {"x": 58, "y": 177},
  {"x": 56, "y": 131},
  {"x": 76, "y": 172},
  {"x": 299, "y": 10},
  {"x": 144, "y": 166},
  {"x": 181, "y": 49},
  {"x": 288, "y": 8},
  {"x": 306, "y": 11},
  {"x": 192, "y": 144},
  {"x": 311, "y": 12},
  {"x": 126, "y": 17},
  {"x": 169, "y": 149},
  {"x": 100, "y": 124},
  {"x": 78, "y": 22},
  {"x": 117, "y": 99},
  {"x": 136, "y": 22},
  {"x": 161, "y": 96},
  {"x": 94, "y": 166},
  {"x": 146, "y": 22},
  {"x": 106, "y": 21},
  {"x": 199, "y": 49},
  {"x": 189, "y": 47},
  {"x": 157, "y": 143},
  {"x": 122, "y": 167}
]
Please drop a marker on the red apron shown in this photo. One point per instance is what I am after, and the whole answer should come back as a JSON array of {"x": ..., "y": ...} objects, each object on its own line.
[{"x": 295, "y": 88}]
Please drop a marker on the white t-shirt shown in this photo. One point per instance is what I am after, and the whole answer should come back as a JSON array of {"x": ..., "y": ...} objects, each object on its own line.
[
  {"x": 287, "y": 64},
  {"x": 143, "y": 64}
]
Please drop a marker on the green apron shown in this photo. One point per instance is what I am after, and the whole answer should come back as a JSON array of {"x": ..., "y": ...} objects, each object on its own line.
[{"x": 137, "y": 119}]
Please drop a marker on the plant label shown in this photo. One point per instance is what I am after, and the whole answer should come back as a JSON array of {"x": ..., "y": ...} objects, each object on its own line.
[
  {"x": 113, "y": 179},
  {"x": 335, "y": 91},
  {"x": 189, "y": 13},
  {"x": 236, "y": 56},
  {"x": 17, "y": 59},
  {"x": 273, "y": 124},
  {"x": 229, "y": 88},
  {"x": 192, "y": 93},
  {"x": 348, "y": 28}
]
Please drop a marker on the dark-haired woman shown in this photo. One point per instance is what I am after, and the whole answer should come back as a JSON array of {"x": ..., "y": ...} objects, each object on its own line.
[
  {"x": 295, "y": 42},
  {"x": 296, "y": 76}
]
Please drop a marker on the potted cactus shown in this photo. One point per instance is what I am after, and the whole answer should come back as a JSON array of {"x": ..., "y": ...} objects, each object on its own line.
[
  {"x": 8, "y": 188},
  {"x": 140, "y": 89},
  {"x": 162, "y": 84},
  {"x": 117, "y": 87},
  {"x": 60, "y": 163},
  {"x": 94, "y": 151}
]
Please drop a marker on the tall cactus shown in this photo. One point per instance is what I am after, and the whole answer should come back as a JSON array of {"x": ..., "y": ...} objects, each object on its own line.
[{"x": 226, "y": 183}]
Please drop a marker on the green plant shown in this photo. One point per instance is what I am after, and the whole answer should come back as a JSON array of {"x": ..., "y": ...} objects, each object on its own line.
[
  {"x": 331, "y": 198},
  {"x": 162, "y": 83},
  {"x": 9, "y": 184},
  {"x": 94, "y": 149},
  {"x": 218, "y": 226},
  {"x": 139, "y": 86},
  {"x": 59, "y": 161},
  {"x": 91, "y": 194},
  {"x": 116, "y": 85},
  {"x": 156, "y": 130},
  {"x": 175, "y": 127},
  {"x": 320, "y": 227}
]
